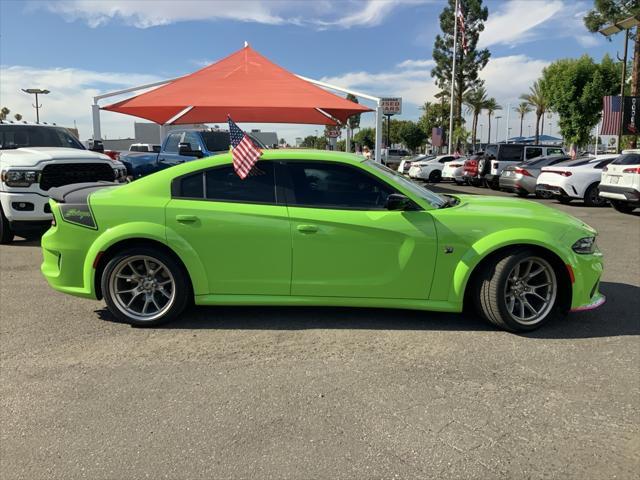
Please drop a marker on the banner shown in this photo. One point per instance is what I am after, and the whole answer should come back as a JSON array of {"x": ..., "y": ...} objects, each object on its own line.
[
  {"x": 631, "y": 118},
  {"x": 437, "y": 137}
]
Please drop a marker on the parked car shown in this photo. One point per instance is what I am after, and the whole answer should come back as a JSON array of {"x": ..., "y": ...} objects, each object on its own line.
[
  {"x": 453, "y": 170},
  {"x": 429, "y": 169},
  {"x": 333, "y": 237},
  {"x": 575, "y": 180},
  {"x": 405, "y": 163},
  {"x": 33, "y": 159},
  {"x": 498, "y": 156},
  {"x": 620, "y": 183},
  {"x": 394, "y": 157},
  {"x": 144, "y": 147},
  {"x": 521, "y": 178},
  {"x": 180, "y": 146},
  {"x": 470, "y": 170}
]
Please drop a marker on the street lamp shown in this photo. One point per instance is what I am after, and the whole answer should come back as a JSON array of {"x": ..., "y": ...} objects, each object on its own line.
[
  {"x": 36, "y": 92},
  {"x": 498, "y": 117}
]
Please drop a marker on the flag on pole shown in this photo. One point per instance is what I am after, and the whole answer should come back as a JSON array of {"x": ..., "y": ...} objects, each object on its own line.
[
  {"x": 461, "y": 26},
  {"x": 611, "y": 115},
  {"x": 245, "y": 154}
]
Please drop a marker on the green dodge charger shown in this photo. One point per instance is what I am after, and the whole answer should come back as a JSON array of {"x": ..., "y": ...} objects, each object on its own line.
[{"x": 314, "y": 228}]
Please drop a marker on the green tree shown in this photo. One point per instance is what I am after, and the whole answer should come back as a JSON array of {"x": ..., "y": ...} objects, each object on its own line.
[
  {"x": 282, "y": 142},
  {"x": 412, "y": 135},
  {"x": 523, "y": 109},
  {"x": 341, "y": 145},
  {"x": 461, "y": 137},
  {"x": 574, "y": 88},
  {"x": 365, "y": 136},
  {"x": 320, "y": 143},
  {"x": 610, "y": 11},
  {"x": 538, "y": 100},
  {"x": 476, "y": 101},
  {"x": 354, "y": 120},
  {"x": 491, "y": 107},
  {"x": 309, "y": 142},
  {"x": 469, "y": 64},
  {"x": 4, "y": 112},
  {"x": 433, "y": 115}
]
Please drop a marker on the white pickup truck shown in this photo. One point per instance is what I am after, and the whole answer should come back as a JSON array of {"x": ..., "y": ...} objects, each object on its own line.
[{"x": 35, "y": 158}]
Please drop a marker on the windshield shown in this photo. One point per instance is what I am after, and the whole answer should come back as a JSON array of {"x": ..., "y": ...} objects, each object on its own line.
[
  {"x": 19, "y": 136},
  {"x": 395, "y": 178}
]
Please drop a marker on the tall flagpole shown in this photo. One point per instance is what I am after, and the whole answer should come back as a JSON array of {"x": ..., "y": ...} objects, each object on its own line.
[{"x": 453, "y": 74}]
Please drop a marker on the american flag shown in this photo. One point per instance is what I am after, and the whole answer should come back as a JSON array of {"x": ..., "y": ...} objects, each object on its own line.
[
  {"x": 611, "y": 115},
  {"x": 244, "y": 152},
  {"x": 461, "y": 27}
]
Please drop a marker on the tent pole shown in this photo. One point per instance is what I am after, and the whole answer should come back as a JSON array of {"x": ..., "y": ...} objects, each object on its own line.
[
  {"x": 348, "y": 141},
  {"x": 95, "y": 113},
  {"x": 163, "y": 133},
  {"x": 378, "y": 152}
]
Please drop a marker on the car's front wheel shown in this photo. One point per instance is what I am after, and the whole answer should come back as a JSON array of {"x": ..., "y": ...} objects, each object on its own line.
[
  {"x": 144, "y": 286},
  {"x": 519, "y": 292}
]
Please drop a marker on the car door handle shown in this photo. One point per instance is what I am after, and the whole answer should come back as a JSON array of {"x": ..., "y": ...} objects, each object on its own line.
[
  {"x": 307, "y": 228},
  {"x": 186, "y": 218}
]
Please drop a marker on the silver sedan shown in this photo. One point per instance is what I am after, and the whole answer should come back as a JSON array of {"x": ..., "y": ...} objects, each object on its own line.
[{"x": 521, "y": 179}]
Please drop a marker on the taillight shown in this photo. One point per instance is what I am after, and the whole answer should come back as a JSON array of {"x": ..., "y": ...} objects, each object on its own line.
[
  {"x": 113, "y": 154},
  {"x": 631, "y": 170},
  {"x": 455, "y": 165},
  {"x": 523, "y": 171},
  {"x": 564, "y": 174}
]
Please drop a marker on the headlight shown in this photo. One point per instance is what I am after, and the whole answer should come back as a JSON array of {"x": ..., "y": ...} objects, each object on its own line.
[
  {"x": 585, "y": 245},
  {"x": 19, "y": 178}
]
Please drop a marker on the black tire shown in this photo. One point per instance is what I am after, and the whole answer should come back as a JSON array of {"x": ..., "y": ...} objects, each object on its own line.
[
  {"x": 622, "y": 207},
  {"x": 459, "y": 183},
  {"x": 181, "y": 287},
  {"x": 522, "y": 193},
  {"x": 6, "y": 234},
  {"x": 565, "y": 200},
  {"x": 592, "y": 197},
  {"x": 494, "y": 184},
  {"x": 491, "y": 287},
  {"x": 435, "y": 176}
]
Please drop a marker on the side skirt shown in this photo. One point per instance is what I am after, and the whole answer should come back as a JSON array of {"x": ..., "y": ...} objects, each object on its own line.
[{"x": 287, "y": 300}]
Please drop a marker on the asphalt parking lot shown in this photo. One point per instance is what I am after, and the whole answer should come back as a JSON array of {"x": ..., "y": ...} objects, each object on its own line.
[{"x": 320, "y": 392}]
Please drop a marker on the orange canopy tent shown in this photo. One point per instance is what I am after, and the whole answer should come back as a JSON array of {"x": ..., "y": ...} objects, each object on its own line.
[{"x": 244, "y": 85}]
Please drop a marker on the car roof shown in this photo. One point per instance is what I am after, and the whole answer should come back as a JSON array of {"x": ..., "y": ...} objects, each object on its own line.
[{"x": 305, "y": 155}]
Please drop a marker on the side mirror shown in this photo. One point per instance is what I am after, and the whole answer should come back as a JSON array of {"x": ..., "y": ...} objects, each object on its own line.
[
  {"x": 96, "y": 146},
  {"x": 396, "y": 201},
  {"x": 185, "y": 150}
]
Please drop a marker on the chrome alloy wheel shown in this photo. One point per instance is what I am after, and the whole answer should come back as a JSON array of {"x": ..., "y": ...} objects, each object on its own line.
[
  {"x": 142, "y": 287},
  {"x": 530, "y": 291}
]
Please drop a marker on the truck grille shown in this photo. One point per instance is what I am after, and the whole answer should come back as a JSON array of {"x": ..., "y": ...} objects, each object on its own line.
[{"x": 65, "y": 174}]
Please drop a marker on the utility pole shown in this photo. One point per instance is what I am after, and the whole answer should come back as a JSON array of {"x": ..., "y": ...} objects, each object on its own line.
[
  {"x": 497, "y": 126},
  {"x": 453, "y": 76},
  {"x": 36, "y": 92}
]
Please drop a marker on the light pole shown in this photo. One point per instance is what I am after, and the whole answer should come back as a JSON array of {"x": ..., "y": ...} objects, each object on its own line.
[
  {"x": 480, "y": 146},
  {"x": 36, "y": 92},
  {"x": 498, "y": 117}
]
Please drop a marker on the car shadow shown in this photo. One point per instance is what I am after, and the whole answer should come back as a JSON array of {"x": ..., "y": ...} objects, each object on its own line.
[
  {"x": 616, "y": 318},
  {"x": 23, "y": 242}
]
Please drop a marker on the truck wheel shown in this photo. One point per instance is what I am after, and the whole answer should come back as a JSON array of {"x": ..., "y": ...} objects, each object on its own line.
[
  {"x": 518, "y": 293},
  {"x": 622, "y": 207},
  {"x": 6, "y": 234},
  {"x": 144, "y": 286},
  {"x": 592, "y": 197},
  {"x": 494, "y": 184}
]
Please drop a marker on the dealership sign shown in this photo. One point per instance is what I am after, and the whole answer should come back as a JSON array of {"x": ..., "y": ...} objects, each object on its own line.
[
  {"x": 631, "y": 121},
  {"x": 391, "y": 105}
]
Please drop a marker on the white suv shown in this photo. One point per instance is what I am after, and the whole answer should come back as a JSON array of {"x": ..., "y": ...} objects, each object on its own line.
[
  {"x": 620, "y": 182},
  {"x": 35, "y": 158}
]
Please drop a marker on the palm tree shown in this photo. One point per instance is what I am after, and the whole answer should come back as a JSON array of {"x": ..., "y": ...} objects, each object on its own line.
[
  {"x": 476, "y": 101},
  {"x": 491, "y": 106},
  {"x": 522, "y": 110},
  {"x": 537, "y": 100}
]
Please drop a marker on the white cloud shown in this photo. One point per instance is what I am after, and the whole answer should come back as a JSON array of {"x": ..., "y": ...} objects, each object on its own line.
[
  {"x": 515, "y": 22},
  {"x": 416, "y": 64},
  {"x": 146, "y": 14}
]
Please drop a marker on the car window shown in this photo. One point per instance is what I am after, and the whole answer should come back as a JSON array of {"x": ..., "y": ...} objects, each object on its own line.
[
  {"x": 20, "y": 136},
  {"x": 192, "y": 139},
  {"x": 156, "y": 148},
  {"x": 491, "y": 151},
  {"x": 554, "y": 151},
  {"x": 223, "y": 184},
  {"x": 627, "y": 159},
  {"x": 445, "y": 159},
  {"x": 191, "y": 186},
  {"x": 533, "y": 152},
  {"x": 216, "y": 141},
  {"x": 603, "y": 163},
  {"x": 171, "y": 146},
  {"x": 510, "y": 152},
  {"x": 332, "y": 185}
]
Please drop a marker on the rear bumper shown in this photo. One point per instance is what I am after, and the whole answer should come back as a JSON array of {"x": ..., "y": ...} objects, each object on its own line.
[
  {"x": 615, "y": 192},
  {"x": 554, "y": 190}
]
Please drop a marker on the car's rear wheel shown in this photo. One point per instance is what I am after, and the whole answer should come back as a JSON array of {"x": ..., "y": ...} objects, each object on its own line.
[
  {"x": 459, "y": 182},
  {"x": 522, "y": 193},
  {"x": 144, "y": 286},
  {"x": 592, "y": 197},
  {"x": 6, "y": 234},
  {"x": 519, "y": 292},
  {"x": 622, "y": 207},
  {"x": 435, "y": 176}
]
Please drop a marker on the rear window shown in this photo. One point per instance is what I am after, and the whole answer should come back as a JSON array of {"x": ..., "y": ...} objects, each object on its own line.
[
  {"x": 549, "y": 160},
  {"x": 216, "y": 141},
  {"x": 510, "y": 152},
  {"x": 19, "y": 136},
  {"x": 627, "y": 159},
  {"x": 492, "y": 151}
]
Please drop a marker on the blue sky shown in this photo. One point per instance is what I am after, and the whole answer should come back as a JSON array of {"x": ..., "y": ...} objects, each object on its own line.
[{"x": 81, "y": 48}]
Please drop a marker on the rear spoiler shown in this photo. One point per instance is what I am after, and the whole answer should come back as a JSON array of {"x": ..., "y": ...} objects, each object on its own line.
[{"x": 78, "y": 192}]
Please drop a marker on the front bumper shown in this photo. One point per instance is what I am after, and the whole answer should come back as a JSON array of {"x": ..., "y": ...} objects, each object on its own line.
[
  {"x": 587, "y": 272},
  {"x": 616, "y": 192},
  {"x": 25, "y": 207}
]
